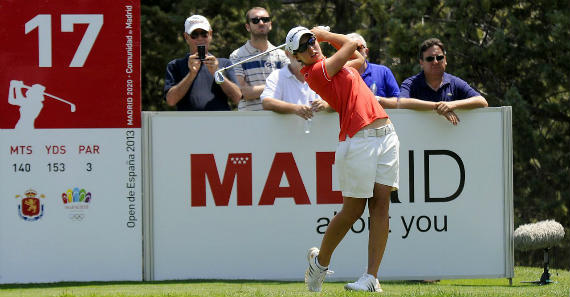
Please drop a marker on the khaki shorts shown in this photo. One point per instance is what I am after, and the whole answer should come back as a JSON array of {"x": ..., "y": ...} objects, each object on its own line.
[{"x": 371, "y": 156}]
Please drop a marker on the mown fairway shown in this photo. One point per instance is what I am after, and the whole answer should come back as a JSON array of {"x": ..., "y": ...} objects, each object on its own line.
[{"x": 479, "y": 287}]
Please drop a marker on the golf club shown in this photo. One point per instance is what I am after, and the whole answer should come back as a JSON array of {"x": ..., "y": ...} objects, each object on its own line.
[
  {"x": 56, "y": 98},
  {"x": 219, "y": 77}
]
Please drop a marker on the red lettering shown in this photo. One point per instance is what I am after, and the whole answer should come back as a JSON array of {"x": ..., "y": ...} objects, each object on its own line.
[
  {"x": 89, "y": 149},
  {"x": 21, "y": 150},
  {"x": 325, "y": 194},
  {"x": 55, "y": 149},
  {"x": 238, "y": 167},
  {"x": 284, "y": 163}
]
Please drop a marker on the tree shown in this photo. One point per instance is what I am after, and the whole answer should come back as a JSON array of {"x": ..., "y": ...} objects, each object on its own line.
[{"x": 512, "y": 52}]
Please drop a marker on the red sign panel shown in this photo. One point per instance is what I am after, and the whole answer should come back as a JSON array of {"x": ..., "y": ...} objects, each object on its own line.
[{"x": 70, "y": 64}]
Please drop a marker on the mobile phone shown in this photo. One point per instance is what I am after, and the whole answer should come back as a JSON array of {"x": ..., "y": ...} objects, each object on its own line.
[{"x": 202, "y": 52}]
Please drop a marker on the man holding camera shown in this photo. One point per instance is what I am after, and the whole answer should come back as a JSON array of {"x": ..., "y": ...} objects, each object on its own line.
[{"x": 189, "y": 83}]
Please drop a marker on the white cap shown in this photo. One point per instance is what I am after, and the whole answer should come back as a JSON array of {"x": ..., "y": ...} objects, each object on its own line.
[
  {"x": 196, "y": 22},
  {"x": 293, "y": 37}
]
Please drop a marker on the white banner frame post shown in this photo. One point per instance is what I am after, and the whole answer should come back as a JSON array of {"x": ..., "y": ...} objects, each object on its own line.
[{"x": 243, "y": 187}]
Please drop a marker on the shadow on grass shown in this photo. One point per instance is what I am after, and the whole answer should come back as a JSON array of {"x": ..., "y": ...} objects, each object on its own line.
[
  {"x": 444, "y": 283},
  {"x": 140, "y": 283}
]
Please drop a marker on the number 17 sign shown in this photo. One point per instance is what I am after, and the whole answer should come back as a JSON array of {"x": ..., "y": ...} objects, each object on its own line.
[
  {"x": 70, "y": 204},
  {"x": 79, "y": 59}
]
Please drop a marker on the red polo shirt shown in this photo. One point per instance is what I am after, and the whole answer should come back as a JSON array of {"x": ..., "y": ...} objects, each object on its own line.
[{"x": 347, "y": 93}]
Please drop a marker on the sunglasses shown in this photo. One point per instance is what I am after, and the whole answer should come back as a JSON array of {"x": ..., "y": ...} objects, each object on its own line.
[
  {"x": 195, "y": 34},
  {"x": 303, "y": 47},
  {"x": 431, "y": 58},
  {"x": 264, "y": 19}
]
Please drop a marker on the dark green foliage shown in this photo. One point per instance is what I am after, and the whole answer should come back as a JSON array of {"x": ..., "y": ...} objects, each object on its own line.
[{"x": 515, "y": 53}]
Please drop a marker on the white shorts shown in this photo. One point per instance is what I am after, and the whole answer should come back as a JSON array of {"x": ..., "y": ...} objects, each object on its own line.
[{"x": 368, "y": 157}]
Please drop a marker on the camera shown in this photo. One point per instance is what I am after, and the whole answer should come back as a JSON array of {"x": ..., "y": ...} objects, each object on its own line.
[{"x": 202, "y": 52}]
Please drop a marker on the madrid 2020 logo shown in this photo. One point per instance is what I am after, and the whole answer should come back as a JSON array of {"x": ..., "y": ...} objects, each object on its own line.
[{"x": 77, "y": 202}]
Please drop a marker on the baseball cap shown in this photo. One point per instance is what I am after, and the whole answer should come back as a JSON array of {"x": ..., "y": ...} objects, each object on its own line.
[
  {"x": 293, "y": 37},
  {"x": 196, "y": 22}
]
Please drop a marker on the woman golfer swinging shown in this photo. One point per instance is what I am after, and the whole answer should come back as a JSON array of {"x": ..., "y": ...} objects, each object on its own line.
[
  {"x": 30, "y": 106},
  {"x": 367, "y": 156}
]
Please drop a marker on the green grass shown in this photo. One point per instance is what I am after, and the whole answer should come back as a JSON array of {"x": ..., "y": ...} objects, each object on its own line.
[{"x": 444, "y": 288}]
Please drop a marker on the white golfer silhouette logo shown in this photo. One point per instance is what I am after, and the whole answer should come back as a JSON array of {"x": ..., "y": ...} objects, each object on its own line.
[{"x": 30, "y": 105}]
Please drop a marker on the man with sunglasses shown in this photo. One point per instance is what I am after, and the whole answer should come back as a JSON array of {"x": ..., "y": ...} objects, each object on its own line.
[
  {"x": 189, "y": 83},
  {"x": 434, "y": 84},
  {"x": 251, "y": 75},
  {"x": 367, "y": 155}
]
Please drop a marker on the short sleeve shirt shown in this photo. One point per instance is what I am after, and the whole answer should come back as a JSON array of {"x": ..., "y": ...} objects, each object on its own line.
[
  {"x": 346, "y": 93},
  {"x": 452, "y": 88},
  {"x": 283, "y": 85},
  {"x": 256, "y": 71},
  {"x": 386, "y": 85},
  {"x": 204, "y": 94}
]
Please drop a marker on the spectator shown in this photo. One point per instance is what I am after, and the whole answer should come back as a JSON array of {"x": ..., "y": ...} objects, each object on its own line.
[
  {"x": 189, "y": 82},
  {"x": 251, "y": 75},
  {"x": 377, "y": 77},
  {"x": 434, "y": 84},
  {"x": 287, "y": 92}
]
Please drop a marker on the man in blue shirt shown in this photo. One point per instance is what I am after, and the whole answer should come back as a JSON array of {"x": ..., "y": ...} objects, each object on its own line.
[
  {"x": 189, "y": 82},
  {"x": 377, "y": 77},
  {"x": 434, "y": 84}
]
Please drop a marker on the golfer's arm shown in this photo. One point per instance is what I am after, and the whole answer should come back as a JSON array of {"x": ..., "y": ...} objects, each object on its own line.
[
  {"x": 345, "y": 53},
  {"x": 249, "y": 92},
  {"x": 355, "y": 60},
  {"x": 11, "y": 98},
  {"x": 178, "y": 91}
]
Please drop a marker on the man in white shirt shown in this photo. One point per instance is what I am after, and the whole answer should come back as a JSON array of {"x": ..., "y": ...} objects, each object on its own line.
[{"x": 287, "y": 92}]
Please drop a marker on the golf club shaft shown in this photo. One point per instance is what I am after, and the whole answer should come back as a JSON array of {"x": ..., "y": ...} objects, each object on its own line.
[
  {"x": 52, "y": 96},
  {"x": 253, "y": 57},
  {"x": 219, "y": 71}
]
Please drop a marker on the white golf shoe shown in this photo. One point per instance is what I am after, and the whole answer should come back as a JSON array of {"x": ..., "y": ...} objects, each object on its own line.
[
  {"x": 366, "y": 283},
  {"x": 315, "y": 276}
]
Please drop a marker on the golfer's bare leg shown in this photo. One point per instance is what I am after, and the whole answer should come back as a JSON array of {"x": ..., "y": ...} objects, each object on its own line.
[
  {"x": 352, "y": 209},
  {"x": 378, "y": 207}
]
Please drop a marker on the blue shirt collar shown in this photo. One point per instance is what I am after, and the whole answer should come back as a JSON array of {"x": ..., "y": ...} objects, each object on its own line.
[
  {"x": 367, "y": 71},
  {"x": 446, "y": 79}
]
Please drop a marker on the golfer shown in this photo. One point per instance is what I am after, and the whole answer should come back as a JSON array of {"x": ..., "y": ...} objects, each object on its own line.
[
  {"x": 30, "y": 105},
  {"x": 367, "y": 156}
]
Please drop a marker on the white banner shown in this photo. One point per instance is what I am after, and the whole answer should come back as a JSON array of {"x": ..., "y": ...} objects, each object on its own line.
[{"x": 243, "y": 195}]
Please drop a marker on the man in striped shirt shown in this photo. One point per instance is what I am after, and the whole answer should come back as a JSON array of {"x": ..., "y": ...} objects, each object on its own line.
[{"x": 251, "y": 75}]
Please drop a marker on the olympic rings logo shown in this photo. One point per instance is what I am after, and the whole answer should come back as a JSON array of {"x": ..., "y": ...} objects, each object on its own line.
[{"x": 76, "y": 216}]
